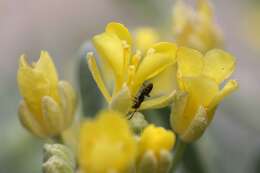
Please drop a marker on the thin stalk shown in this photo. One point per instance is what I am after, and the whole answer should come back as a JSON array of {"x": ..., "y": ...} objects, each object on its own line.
[{"x": 178, "y": 154}]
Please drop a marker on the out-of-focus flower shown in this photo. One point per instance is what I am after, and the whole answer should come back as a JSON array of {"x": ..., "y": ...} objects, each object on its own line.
[
  {"x": 199, "y": 80},
  {"x": 196, "y": 28},
  {"x": 156, "y": 139},
  {"x": 145, "y": 37},
  {"x": 107, "y": 144},
  {"x": 131, "y": 71},
  {"x": 155, "y": 147},
  {"x": 48, "y": 104}
]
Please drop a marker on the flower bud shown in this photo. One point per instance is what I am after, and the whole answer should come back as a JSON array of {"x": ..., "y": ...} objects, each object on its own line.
[
  {"x": 48, "y": 104},
  {"x": 58, "y": 158}
]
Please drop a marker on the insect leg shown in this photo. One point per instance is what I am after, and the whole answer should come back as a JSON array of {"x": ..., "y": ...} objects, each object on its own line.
[{"x": 132, "y": 114}]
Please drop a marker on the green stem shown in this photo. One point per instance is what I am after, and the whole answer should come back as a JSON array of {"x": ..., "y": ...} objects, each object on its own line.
[{"x": 179, "y": 151}]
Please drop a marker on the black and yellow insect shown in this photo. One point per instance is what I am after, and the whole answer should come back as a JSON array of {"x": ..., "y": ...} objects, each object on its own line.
[{"x": 138, "y": 100}]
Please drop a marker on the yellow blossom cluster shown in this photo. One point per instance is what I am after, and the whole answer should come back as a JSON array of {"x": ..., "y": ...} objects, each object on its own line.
[
  {"x": 108, "y": 144},
  {"x": 186, "y": 80}
]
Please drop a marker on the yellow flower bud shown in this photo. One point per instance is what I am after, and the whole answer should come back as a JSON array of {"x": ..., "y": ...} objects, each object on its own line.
[
  {"x": 199, "y": 79},
  {"x": 48, "y": 104},
  {"x": 156, "y": 139},
  {"x": 107, "y": 144}
]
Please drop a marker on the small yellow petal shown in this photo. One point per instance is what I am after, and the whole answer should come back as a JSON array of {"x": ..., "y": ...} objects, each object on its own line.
[
  {"x": 28, "y": 120},
  {"x": 190, "y": 62},
  {"x": 97, "y": 76},
  {"x": 110, "y": 48},
  {"x": 68, "y": 103},
  {"x": 159, "y": 102},
  {"x": 230, "y": 87},
  {"x": 197, "y": 126},
  {"x": 201, "y": 91},
  {"x": 47, "y": 67},
  {"x": 53, "y": 115},
  {"x": 177, "y": 111},
  {"x": 160, "y": 57},
  {"x": 219, "y": 65},
  {"x": 120, "y": 30},
  {"x": 165, "y": 82}
]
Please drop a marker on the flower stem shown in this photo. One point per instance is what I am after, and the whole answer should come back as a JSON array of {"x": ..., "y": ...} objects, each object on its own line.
[{"x": 179, "y": 151}]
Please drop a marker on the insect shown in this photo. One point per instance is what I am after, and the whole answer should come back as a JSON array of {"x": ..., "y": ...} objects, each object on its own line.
[{"x": 138, "y": 100}]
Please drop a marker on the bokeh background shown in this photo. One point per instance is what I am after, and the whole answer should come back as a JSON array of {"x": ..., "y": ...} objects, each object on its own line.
[{"x": 232, "y": 143}]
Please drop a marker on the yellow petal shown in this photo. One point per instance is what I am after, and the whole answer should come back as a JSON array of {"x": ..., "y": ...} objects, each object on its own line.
[
  {"x": 158, "y": 102},
  {"x": 165, "y": 82},
  {"x": 120, "y": 30},
  {"x": 201, "y": 91},
  {"x": 47, "y": 67},
  {"x": 68, "y": 104},
  {"x": 28, "y": 120},
  {"x": 177, "y": 111},
  {"x": 219, "y": 65},
  {"x": 145, "y": 38},
  {"x": 97, "y": 76},
  {"x": 160, "y": 57},
  {"x": 190, "y": 62},
  {"x": 33, "y": 85},
  {"x": 53, "y": 115},
  {"x": 110, "y": 48},
  {"x": 230, "y": 87},
  {"x": 197, "y": 126}
]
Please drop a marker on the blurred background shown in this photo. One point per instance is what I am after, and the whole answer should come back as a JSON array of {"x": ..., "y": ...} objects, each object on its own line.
[{"x": 232, "y": 143}]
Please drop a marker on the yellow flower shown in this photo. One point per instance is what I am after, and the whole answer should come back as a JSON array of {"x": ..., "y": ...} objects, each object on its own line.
[
  {"x": 145, "y": 37},
  {"x": 48, "y": 104},
  {"x": 156, "y": 139},
  {"x": 107, "y": 144},
  {"x": 199, "y": 79},
  {"x": 130, "y": 71},
  {"x": 196, "y": 29}
]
